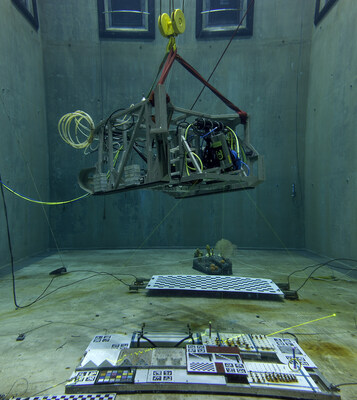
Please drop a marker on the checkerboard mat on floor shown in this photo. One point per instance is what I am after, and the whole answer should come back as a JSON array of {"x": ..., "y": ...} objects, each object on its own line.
[{"x": 104, "y": 396}]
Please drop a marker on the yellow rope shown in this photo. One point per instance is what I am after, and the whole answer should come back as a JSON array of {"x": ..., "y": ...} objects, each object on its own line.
[
  {"x": 304, "y": 323},
  {"x": 47, "y": 203}
]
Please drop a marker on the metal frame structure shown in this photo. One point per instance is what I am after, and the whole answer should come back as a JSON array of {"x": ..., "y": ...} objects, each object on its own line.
[{"x": 152, "y": 151}]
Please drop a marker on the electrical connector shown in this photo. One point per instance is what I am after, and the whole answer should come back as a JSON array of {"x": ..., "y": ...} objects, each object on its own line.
[
  {"x": 21, "y": 337},
  {"x": 291, "y": 295}
]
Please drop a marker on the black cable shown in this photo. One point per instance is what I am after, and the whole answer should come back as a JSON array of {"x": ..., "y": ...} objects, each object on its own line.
[
  {"x": 110, "y": 116},
  {"x": 51, "y": 387},
  {"x": 37, "y": 327},
  {"x": 79, "y": 280},
  {"x": 141, "y": 336},
  {"x": 159, "y": 70},
  {"x": 343, "y": 384},
  {"x": 140, "y": 153},
  {"x": 293, "y": 335},
  {"x": 64, "y": 286},
  {"x": 185, "y": 338},
  {"x": 318, "y": 266},
  {"x": 18, "y": 395},
  {"x": 323, "y": 264},
  {"x": 148, "y": 340},
  {"x": 224, "y": 52},
  {"x": 41, "y": 296},
  {"x": 126, "y": 129},
  {"x": 9, "y": 244},
  {"x": 106, "y": 273}
]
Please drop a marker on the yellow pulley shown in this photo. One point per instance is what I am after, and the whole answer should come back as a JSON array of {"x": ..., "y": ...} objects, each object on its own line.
[
  {"x": 178, "y": 21},
  {"x": 165, "y": 25},
  {"x": 172, "y": 26}
]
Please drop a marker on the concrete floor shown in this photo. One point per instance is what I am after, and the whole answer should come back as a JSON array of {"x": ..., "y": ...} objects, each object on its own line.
[{"x": 59, "y": 327}]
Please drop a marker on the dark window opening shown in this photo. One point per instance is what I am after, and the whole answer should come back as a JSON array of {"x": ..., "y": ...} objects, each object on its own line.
[
  {"x": 126, "y": 14},
  {"x": 126, "y": 18},
  {"x": 223, "y": 12},
  {"x": 220, "y": 18}
]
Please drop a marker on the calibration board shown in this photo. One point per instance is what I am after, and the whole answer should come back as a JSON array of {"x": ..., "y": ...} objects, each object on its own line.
[{"x": 207, "y": 362}]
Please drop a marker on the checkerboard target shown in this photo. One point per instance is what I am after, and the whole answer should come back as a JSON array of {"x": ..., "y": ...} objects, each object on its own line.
[{"x": 215, "y": 283}]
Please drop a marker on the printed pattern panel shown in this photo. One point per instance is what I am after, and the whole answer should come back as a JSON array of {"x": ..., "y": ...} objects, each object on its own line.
[
  {"x": 215, "y": 283},
  {"x": 201, "y": 366},
  {"x": 284, "y": 350},
  {"x": 279, "y": 375},
  {"x": 116, "y": 342},
  {"x": 161, "y": 376},
  {"x": 210, "y": 359},
  {"x": 234, "y": 368},
  {"x": 166, "y": 375},
  {"x": 105, "y": 396},
  {"x": 84, "y": 378}
]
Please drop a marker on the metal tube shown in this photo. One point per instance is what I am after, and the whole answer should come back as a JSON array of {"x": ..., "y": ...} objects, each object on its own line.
[
  {"x": 193, "y": 159},
  {"x": 128, "y": 150}
]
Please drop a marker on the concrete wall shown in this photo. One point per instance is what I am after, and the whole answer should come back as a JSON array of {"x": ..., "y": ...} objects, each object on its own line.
[
  {"x": 23, "y": 136},
  {"x": 297, "y": 82},
  {"x": 331, "y": 140},
  {"x": 266, "y": 75}
]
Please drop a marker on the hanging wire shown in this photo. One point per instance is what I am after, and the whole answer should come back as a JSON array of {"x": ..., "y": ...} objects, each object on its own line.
[
  {"x": 224, "y": 51},
  {"x": 47, "y": 203},
  {"x": 33, "y": 180}
]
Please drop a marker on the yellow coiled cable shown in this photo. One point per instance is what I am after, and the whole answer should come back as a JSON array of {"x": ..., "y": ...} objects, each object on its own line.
[{"x": 79, "y": 128}]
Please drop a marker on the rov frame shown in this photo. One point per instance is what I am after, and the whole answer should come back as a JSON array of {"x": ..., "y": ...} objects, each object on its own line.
[{"x": 164, "y": 153}]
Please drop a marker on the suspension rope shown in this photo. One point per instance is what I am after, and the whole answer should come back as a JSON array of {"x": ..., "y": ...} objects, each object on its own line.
[{"x": 224, "y": 51}]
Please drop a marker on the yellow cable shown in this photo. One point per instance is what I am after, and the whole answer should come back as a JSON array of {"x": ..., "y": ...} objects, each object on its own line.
[
  {"x": 64, "y": 129},
  {"x": 47, "y": 203},
  {"x": 282, "y": 330},
  {"x": 193, "y": 168},
  {"x": 117, "y": 155},
  {"x": 189, "y": 126},
  {"x": 304, "y": 323},
  {"x": 115, "y": 159},
  {"x": 237, "y": 141},
  {"x": 186, "y": 131}
]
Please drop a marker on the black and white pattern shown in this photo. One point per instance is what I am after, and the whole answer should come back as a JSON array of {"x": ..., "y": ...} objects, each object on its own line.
[
  {"x": 104, "y": 396},
  {"x": 198, "y": 366},
  {"x": 161, "y": 376},
  {"x": 215, "y": 283},
  {"x": 302, "y": 360},
  {"x": 115, "y": 341},
  {"x": 98, "y": 339},
  {"x": 198, "y": 360},
  {"x": 234, "y": 368},
  {"x": 196, "y": 348},
  {"x": 85, "y": 378}
]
